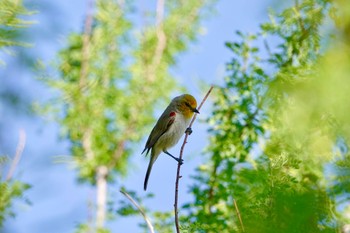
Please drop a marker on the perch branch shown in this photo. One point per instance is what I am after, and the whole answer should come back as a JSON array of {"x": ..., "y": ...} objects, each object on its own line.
[{"x": 179, "y": 164}]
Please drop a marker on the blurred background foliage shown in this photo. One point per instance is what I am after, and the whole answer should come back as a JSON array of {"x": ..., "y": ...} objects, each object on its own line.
[
  {"x": 278, "y": 156},
  {"x": 11, "y": 26}
]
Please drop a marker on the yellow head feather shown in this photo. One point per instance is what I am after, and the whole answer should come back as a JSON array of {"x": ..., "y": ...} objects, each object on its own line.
[{"x": 187, "y": 105}]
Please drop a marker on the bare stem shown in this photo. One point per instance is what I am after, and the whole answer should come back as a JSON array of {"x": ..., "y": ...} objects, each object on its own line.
[
  {"x": 86, "y": 45},
  {"x": 239, "y": 215},
  {"x": 19, "y": 150},
  {"x": 179, "y": 164},
  {"x": 148, "y": 221},
  {"x": 161, "y": 41}
]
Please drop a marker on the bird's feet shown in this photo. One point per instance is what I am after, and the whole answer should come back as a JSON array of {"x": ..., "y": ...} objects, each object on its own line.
[
  {"x": 180, "y": 161},
  {"x": 189, "y": 131}
]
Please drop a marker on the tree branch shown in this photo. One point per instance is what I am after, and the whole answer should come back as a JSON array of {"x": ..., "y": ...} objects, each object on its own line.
[
  {"x": 148, "y": 221},
  {"x": 161, "y": 43},
  {"x": 179, "y": 164},
  {"x": 86, "y": 46},
  {"x": 117, "y": 154},
  {"x": 86, "y": 142},
  {"x": 238, "y": 214},
  {"x": 19, "y": 150}
]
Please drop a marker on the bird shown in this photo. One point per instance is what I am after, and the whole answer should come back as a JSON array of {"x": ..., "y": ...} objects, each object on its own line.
[{"x": 168, "y": 130}]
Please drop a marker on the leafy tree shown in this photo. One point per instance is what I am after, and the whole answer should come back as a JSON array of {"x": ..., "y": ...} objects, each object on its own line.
[
  {"x": 275, "y": 124},
  {"x": 10, "y": 188}
]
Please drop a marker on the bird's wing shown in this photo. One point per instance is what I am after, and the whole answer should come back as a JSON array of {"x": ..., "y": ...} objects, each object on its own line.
[{"x": 162, "y": 126}]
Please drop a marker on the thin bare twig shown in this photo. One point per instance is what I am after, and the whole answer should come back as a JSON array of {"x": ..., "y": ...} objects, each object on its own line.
[
  {"x": 85, "y": 53},
  {"x": 19, "y": 150},
  {"x": 148, "y": 221},
  {"x": 117, "y": 154},
  {"x": 86, "y": 141},
  {"x": 179, "y": 164},
  {"x": 161, "y": 41},
  {"x": 238, "y": 214}
]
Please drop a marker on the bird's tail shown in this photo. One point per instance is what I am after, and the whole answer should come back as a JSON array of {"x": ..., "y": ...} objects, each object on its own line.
[{"x": 149, "y": 169}]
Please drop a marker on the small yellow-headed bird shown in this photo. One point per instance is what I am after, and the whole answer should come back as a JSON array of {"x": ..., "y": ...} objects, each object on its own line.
[{"x": 169, "y": 128}]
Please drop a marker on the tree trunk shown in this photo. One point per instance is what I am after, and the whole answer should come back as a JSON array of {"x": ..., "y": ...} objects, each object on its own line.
[{"x": 101, "y": 196}]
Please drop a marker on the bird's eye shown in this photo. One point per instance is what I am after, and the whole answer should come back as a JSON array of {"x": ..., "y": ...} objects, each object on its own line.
[{"x": 188, "y": 105}]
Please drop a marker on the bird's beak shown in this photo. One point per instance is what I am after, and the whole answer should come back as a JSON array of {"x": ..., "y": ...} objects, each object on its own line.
[{"x": 196, "y": 110}]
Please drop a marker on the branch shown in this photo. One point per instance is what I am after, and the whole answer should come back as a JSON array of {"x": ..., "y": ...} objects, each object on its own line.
[
  {"x": 19, "y": 150},
  {"x": 86, "y": 141},
  {"x": 179, "y": 164},
  {"x": 161, "y": 43},
  {"x": 239, "y": 215},
  {"x": 117, "y": 154},
  {"x": 148, "y": 221},
  {"x": 86, "y": 46}
]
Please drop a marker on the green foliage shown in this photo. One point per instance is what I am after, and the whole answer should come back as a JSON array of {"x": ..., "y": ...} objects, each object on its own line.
[
  {"x": 238, "y": 106},
  {"x": 341, "y": 185},
  {"x": 11, "y": 24},
  {"x": 81, "y": 228},
  {"x": 164, "y": 222},
  {"x": 275, "y": 125},
  {"x": 11, "y": 14},
  {"x": 9, "y": 190}
]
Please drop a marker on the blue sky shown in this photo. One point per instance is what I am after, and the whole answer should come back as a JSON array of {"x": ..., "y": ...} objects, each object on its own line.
[{"x": 59, "y": 203}]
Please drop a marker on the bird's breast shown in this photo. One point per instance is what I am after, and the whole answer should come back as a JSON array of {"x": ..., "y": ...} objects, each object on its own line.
[{"x": 174, "y": 133}]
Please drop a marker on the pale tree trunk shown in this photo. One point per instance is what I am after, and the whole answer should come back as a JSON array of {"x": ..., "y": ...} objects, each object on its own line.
[
  {"x": 101, "y": 196},
  {"x": 101, "y": 182}
]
